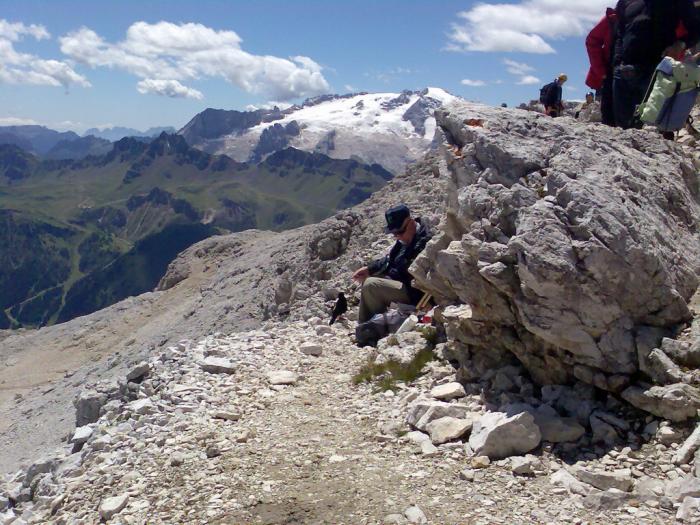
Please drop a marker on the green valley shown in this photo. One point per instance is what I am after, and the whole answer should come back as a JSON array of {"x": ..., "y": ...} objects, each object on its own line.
[{"x": 78, "y": 235}]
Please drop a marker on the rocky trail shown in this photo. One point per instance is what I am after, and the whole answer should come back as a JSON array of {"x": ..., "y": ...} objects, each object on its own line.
[
  {"x": 565, "y": 387},
  {"x": 268, "y": 427}
]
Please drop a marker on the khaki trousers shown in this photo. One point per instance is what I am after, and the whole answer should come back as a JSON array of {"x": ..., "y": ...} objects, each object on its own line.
[{"x": 378, "y": 294}]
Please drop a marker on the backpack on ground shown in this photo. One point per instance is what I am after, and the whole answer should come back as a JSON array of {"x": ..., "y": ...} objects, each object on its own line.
[
  {"x": 380, "y": 325},
  {"x": 671, "y": 95}
]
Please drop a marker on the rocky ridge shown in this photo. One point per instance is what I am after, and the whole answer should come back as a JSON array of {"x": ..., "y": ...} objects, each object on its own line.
[
  {"x": 577, "y": 255},
  {"x": 481, "y": 436}
]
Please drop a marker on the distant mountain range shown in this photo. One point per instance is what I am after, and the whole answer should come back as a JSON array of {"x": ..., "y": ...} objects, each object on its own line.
[
  {"x": 56, "y": 145},
  {"x": 391, "y": 129},
  {"x": 79, "y": 235},
  {"x": 50, "y": 144},
  {"x": 116, "y": 133}
]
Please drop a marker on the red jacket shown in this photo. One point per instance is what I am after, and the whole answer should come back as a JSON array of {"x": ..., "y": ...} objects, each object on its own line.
[{"x": 600, "y": 44}]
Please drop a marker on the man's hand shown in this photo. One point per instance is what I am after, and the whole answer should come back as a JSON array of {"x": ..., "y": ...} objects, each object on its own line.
[{"x": 361, "y": 274}]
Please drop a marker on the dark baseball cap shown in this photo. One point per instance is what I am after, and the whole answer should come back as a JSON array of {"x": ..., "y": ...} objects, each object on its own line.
[{"x": 395, "y": 217}]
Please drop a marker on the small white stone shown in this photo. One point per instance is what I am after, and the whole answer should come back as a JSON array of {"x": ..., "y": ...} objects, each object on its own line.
[
  {"x": 448, "y": 391},
  {"x": 415, "y": 515},
  {"x": 417, "y": 437},
  {"x": 217, "y": 365},
  {"x": 112, "y": 506},
  {"x": 312, "y": 349},
  {"x": 142, "y": 406},
  {"x": 428, "y": 449},
  {"x": 177, "y": 458},
  {"x": 480, "y": 462},
  {"x": 81, "y": 435},
  {"x": 282, "y": 377},
  {"x": 228, "y": 415}
]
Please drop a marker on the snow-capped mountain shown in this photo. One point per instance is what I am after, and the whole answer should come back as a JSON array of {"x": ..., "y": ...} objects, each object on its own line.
[{"x": 391, "y": 129}]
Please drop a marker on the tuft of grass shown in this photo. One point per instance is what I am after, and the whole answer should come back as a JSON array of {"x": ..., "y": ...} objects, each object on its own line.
[
  {"x": 429, "y": 333},
  {"x": 387, "y": 375}
]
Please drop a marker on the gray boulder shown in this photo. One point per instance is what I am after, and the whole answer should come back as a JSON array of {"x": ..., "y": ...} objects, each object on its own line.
[
  {"x": 563, "y": 249},
  {"x": 661, "y": 368},
  {"x": 563, "y": 478},
  {"x": 556, "y": 429},
  {"x": 689, "y": 447},
  {"x": 217, "y": 365},
  {"x": 138, "y": 372},
  {"x": 87, "y": 407},
  {"x": 448, "y": 429},
  {"x": 689, "y": 511},
  {"x": 607, "y": 500},
  {"x": 422, "y": 412},
  {"x": 680, "y": 488},
  {"x": 81, "y": 435},
  {"x": 604, "y": 480},
  {"x": 683, "y": 353},
  {"x": 109, "y": 507},
  {"x": 498, "y": 435},
  {"x": 676, "y": 402}
]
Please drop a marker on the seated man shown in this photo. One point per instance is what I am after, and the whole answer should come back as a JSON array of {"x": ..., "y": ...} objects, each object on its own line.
[{"x": 387, "y": 280}]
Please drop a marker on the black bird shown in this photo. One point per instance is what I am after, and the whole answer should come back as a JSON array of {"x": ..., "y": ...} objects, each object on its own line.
[{"x": 341, "y": 306}]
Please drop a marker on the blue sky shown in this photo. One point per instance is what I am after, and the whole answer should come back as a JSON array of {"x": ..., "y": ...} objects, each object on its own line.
[{"x": 77, "y": 64}]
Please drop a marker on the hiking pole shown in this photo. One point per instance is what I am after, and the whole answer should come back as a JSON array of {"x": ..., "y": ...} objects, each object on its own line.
[{"x": 423, "y": 303}]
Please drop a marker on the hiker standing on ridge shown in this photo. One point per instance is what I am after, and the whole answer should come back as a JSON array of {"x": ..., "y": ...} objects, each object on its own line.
[
  {"x": 646, "y": 32},
  {"x": 551, "y": 96},
  {"x": 386, "y": 280},
  {"x": 599, "y": 45}
]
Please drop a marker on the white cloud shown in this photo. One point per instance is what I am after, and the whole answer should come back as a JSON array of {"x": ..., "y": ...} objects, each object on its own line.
[
  {"x": 528, "y": 80},
  {"x": 517, "y": 68},
  {"x": 24, "y": 68},
  {"x": 176, "y": 53},
  {"x": 17, "y": 121},
  {"x": 527, "y": 26},
  {"x": 167, "y": 88},
  {"x": 473, "y": 83},
  {"x": 350, "y": 89},
  {"x": 522, "y": 71},
  {"x": 14, "y": 31}
]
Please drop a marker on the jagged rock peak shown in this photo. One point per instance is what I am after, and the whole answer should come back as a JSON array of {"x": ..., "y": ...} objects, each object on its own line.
[{"x": 574, "y": 245}]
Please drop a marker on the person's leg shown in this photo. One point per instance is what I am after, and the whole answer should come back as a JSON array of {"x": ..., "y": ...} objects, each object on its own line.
[
  {"x": 606, "y": 102},
  {"x": 623, "y": 101},
  {"x": 629, "y": 89},
  {"x": 378, "y": 294}
]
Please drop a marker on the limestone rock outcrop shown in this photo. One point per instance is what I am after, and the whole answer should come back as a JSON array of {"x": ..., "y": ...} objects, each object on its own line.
[{"x": 575, "y": 246}]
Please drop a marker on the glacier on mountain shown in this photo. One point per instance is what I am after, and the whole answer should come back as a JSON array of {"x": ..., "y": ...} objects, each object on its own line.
[{"x": 391, "y": 129}]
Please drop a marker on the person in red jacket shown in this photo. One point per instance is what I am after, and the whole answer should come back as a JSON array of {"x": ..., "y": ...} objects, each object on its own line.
[{"x": 600, "y": 43}]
